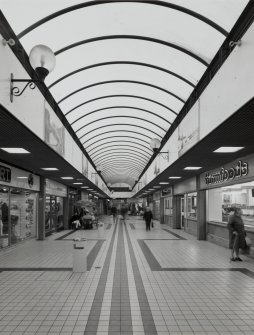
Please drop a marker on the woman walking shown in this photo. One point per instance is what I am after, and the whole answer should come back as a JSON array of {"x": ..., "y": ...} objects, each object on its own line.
[{"x": 236, "y": 234}]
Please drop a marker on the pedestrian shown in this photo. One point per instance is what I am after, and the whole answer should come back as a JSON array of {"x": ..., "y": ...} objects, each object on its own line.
[
  {"x": 148, "y": 216},
  {"x": 236, "y": 234},
  {"x": 113, "y": 212}
]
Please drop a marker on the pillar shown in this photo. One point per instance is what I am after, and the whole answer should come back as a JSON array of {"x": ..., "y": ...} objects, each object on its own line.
[
  {"x": 41, "y": 209},
  {"x": 201, "y": 212},
  {"x": 66, "y": 209},
  {"x": 176, "y": 212}
]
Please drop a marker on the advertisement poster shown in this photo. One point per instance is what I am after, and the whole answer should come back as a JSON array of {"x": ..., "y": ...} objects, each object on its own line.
[
  {"x": 188, "y": 131},
  {"x": 85, "y": 166},
  {"x": 54, "y": 130}
]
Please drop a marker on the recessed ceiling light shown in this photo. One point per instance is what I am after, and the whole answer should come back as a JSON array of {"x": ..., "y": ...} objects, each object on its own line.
[
  {"x": 192, "y": 168},
  {"x": 50, "y": 169},
  {"x": 156, "y": 187},
  {"x": 22, "y": 177},
  {"x": 84, "y": 186},
  {"x": 228, "y": 149},
  {"x": 174, "y": 177},
  {"x": 16, "y": 150},
  {"x": 164, "y": 183},
  {"x": 77, "y": 183},
  {"x": 67, "y": 178},
  {"x": 150, "y": 189}
]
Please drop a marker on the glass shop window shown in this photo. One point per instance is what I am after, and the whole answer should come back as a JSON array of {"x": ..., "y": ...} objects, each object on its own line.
[{"x": 192, "y": 205}]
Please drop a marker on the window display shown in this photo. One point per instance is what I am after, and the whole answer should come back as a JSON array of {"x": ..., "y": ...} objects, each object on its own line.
[
  {"x": 192, "y": 205},
  {"x": 53, "y": 213},
  {"x": 220, "y": 202},
  {"x": 22, "y": 214},
  {"x": 4, "y": 210}
]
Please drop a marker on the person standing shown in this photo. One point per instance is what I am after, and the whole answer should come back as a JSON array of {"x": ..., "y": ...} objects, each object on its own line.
[
  {"x": 148, "y": 216},
  {"x": 113, "y": 212},
  {"x": 236, "y": 234}
]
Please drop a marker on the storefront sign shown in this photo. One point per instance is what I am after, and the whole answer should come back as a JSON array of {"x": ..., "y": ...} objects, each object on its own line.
[
  {"x": 166, "y": 191},
  {"x": 55, "y": 188},
  {"x": 240, "y": 170},
  {"x": 5, "y": 174}
]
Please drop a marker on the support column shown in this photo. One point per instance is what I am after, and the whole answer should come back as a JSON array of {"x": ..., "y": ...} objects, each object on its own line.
[
  {"x": 176, "y": 212},
  {"x": 66, "y": 208},
  {"x": 201, "y": 212},
  {"x": 41, "y": 209}
]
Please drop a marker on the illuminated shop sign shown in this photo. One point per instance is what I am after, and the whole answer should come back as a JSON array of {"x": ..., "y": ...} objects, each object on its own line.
[
  {"x": 224, "y": 175},
  {"x": 5, "y": 174}
]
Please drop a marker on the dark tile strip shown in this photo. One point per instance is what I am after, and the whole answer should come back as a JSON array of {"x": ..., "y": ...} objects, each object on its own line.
[
  {"x": 93, "y": 254},
  {"x": 109, "y": 226},
  {"x": 151, "y": 260},
  {"x": 94, "y": 316},
  {"x": 155, "y": 265},
  {"x": 174, "y": 234},
  {"x": 120, "y": 315},
  {"x": 132, "y": 226},
  {"x": 146, "y": 314},
  {"x": 65, "y": 235}
]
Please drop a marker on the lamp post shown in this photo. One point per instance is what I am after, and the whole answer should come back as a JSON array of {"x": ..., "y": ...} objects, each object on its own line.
[
  {"x": 155, "y": 144},
  {"x": 42, "y": 60}
]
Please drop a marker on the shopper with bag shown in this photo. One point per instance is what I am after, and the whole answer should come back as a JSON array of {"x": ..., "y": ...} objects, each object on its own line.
[
  {"x": 236, "y": 234},
  {"x": 148, "y": 216}
]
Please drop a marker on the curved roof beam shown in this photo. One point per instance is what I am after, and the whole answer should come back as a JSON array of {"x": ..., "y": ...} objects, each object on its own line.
[
  {"x": 120, "y": 124},
  {"x": 108, "y": 170},
  {"x": 120, "y": 116},
  {"x": 122, "y": 81},
  {"x": 134, "y": 37},
  {"x": 114, "y": 107},
  {"x": 118, "y": 96},
  {"x": 103, "y": 2},
  {"x": 124, "y": 136},
  {"x": 123, "y": 150},
  {"x": 122, "y": 141},
  {"x": 134, "y": 164},
  {"x": 121, "y": 145},
  {"x": 115, "y": 131},
  {"x": 122, "y": 156}
]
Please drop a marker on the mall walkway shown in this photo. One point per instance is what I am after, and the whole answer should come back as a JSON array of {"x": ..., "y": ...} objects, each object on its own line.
[{"x": 158, "y": 282}]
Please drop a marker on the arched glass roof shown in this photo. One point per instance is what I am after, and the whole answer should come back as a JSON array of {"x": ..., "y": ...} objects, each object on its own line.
[{"x": 124, "y": 69}]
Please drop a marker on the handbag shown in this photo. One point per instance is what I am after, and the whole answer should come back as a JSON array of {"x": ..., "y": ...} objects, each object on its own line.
[{"x": 152, "y": 223}]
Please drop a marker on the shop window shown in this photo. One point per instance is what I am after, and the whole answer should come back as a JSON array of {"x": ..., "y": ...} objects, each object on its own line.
[
  {"x": 4, "y": 210},
  {"x": 168, "y": 209},
  {"x": 192, "y": 205},
  {"x": 220, "y": 202},
  {"x": 23, "y": 216}
]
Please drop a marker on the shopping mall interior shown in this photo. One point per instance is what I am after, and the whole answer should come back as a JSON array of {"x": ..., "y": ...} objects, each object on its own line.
[{"x": 126, "y": 167}]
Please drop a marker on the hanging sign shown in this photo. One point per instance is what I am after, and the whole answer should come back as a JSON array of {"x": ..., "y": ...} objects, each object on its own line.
[{"x": 5, "y": 174}]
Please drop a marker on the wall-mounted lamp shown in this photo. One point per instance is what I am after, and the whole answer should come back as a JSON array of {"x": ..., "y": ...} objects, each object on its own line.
[
  {"x": 43, "y": 61},
  {"x": 155, "y": 144}
]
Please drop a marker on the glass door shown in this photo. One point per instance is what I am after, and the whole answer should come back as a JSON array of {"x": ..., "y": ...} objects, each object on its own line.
[
  {"x": 182, "y": 211},
  {"x": 4, "y": 216}
]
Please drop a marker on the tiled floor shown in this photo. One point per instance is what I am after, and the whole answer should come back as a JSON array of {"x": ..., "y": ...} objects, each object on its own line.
[{"x": 138, "y": 282}]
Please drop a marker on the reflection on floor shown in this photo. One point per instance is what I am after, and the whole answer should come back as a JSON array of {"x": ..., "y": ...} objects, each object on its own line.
[{"x": 158, "y": 282}]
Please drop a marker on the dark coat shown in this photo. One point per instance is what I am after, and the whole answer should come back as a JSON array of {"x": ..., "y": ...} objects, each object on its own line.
[
  {"x": 148, "y": 216},
  {"x": 235, "y": 223}
]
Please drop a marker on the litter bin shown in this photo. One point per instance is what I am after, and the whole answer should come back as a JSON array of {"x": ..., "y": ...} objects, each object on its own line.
[
  {"x": 79, "y": 255},
  {"x": 101, "y": 231}
]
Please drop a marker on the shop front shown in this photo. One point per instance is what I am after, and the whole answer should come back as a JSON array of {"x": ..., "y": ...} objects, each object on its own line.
[
  {"x": 185, "y": 206},
  {"x": 228, "y": 187},
  {"x": 166, "y": 205},
  {"x": 18, "y": 205},
  {"x": 55, "y": 194}
]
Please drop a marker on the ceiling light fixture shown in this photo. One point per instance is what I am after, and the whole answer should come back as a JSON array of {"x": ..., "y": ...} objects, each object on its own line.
[
  {"x": 67, "y": 178},
  {"x": 50, "y": 169},
  {"x": 43, "y": 61},
  {"x": 164, "y": 183},
  {"x": 174, "y": 177},
  {"x": 227, "y": 149},
  {"x": 16, "y": 150},
  {"x": 192, "y": 168},
  {"x": 77, "y": 183}
]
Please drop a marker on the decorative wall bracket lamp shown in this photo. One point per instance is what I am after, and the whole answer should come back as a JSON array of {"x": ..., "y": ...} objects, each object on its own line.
[
  {"x": 42, "y": 59},
  {"x": 155, "y": 144}
]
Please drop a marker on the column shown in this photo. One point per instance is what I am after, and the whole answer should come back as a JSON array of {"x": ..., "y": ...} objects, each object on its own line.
[
  {"x": 201, "y": 212},
  {"x": 176, "y": 212},
  {"x": 41, "y": 209},
  {"x": 66, "y": 209}
]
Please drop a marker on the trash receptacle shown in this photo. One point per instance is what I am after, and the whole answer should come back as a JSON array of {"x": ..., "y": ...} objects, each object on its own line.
[
  {"x": 101, "y": 231},
  {"x": 79, "y": 255}
]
